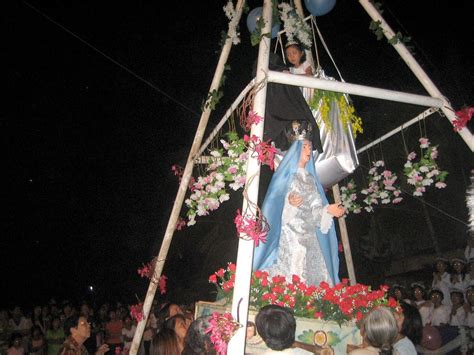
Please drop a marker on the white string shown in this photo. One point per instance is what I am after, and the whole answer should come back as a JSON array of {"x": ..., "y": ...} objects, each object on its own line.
[
  {"x": 150, "y": 84},
  {"x": 313, "y": 21}
]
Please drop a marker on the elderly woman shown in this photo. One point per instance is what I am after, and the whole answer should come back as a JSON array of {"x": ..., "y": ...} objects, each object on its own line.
[{"x": 379, "y": 331}]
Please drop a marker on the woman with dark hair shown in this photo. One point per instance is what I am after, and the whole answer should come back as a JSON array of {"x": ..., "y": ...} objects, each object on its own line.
[
  {"x": 457, "y": 317},
  {"x": 197, "y": 341},
  {"x": 398, "y": 292},
  {"x": 418, "y": 291},
  {"x": 410, "y": 329},
  {"x": 37, "y": 341},
  {"x": 165, "y": 343},
  {"x": 178, "y": 324},
  {"x": 167, "y": 311},
  {"x": 439, "y": 312}
]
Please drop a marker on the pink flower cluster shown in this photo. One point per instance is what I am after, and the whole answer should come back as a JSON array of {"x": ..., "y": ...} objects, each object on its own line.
[
  {"x": 381, "y": 187},
  {"x": 423, "y": 172},
  {"x": 264, "y": 149},
  {"x": 349, "y": 197},
  {"x": 463, "y": 116},
  {"x": 136, "y": 312},
  {"x": 252, "y": 118},
  {"x": 252, "y": 228},
  {"x": 147, "y": 271},
  {"x": 222, "y": 327}
]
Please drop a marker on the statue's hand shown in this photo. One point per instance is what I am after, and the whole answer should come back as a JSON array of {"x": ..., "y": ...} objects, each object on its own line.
[
  {"x": 295, "y": 199},
  {"x": 336, "y": 209}
]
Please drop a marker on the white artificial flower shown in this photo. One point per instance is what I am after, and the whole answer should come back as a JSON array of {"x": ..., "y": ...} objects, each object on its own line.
[
  {"x": 236, "y": 185},
  {"x": 427, "y": 182},
  {"x": 224, "y": 197},
  {"x": 191, "y": 221},
  {"x": 201, "y": 210}
]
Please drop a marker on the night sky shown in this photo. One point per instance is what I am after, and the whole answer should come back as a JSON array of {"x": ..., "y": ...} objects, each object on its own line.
[{"x": 90, "y": 135}]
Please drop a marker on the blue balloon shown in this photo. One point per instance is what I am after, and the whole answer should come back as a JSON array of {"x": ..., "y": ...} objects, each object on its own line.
[
  {"x": 319, "y": 7},
  {"x": 254, "y": 16}
]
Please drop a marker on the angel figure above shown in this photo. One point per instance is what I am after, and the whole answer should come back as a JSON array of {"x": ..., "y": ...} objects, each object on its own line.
[{"x": 302, "y": 237}]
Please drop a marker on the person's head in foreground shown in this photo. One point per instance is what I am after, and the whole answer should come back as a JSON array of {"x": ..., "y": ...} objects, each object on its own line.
[
  {"x": 276, "y": 325},
  {"x": 379, "y": 329},
  {"x": 197, "y": 340}
]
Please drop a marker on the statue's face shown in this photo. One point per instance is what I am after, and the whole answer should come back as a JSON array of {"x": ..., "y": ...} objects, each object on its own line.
[{"x": 305, "y": 152}]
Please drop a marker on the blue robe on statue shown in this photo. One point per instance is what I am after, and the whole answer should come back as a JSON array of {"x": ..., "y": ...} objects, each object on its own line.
[{"x": 291, "y": 243}]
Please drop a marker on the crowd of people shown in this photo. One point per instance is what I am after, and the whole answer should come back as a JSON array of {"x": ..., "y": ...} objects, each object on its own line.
[
  {"x": 171, "y": 329},
  {"x": 446, "y": 299},
  {"x": 67, "y": 329}
]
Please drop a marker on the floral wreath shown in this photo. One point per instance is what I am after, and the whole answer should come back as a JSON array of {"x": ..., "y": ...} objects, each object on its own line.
[{"x": 296, "y": 29}]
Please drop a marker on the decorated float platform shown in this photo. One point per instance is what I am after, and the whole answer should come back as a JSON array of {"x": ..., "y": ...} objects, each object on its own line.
[
  {"x": 326, "y": 316},
  {"x": 308, "y": 330}
]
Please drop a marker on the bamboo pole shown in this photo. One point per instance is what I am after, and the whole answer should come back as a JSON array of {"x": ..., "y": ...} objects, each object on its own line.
[
  {"x": 224, "y": 118},
  {"x": 240, "y": 300},
  {"x": 345, "y": 238},
  {"x": 418, "y": 118},
  {"x": 183, "y": 187},
  {"x": 354, "y": 89},
  {"x": 430, "y": 87}
]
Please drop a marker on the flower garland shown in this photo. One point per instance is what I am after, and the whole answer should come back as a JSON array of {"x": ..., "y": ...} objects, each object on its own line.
[
  {"x": 322, "y": 100},
  {"x": 341, "y": 303},
  {"x": 296, "y": 29},
  {"x": 231, "y": 14},
  {"x": 349, "y": 197},
  {"x": 381, "y": 187},
  {"x": 424, "y": 172},
  {"x": 222, "y": 328},
  {"x": 227, "y": 166}
]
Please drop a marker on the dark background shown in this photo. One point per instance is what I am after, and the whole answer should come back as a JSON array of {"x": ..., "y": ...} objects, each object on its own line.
[{"x": 87, "y": 183}]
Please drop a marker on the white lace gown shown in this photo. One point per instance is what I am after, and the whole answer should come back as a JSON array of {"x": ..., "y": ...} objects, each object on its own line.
[{"x": 299, "y": 251}]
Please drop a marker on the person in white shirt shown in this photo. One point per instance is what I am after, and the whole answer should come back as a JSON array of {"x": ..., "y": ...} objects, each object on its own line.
[
  {"x": 441, "y": 278},
  {"x": 457, "y": 316},
  {"x": 410, "y": 329},
  {"x": 469, "y": 306},
  {"x": 457, "y": 277},
  {"x": 439, "y": 313},
  {"x": 128, "y": 331}
]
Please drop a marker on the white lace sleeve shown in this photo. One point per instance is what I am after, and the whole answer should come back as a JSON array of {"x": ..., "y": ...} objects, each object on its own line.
[
  {"x": 321, "y": 214},
  {"x": 326, "y": 220}
]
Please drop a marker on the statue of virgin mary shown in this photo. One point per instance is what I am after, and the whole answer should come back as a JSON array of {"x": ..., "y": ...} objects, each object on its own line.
[{"x": 302, "y": 237}]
